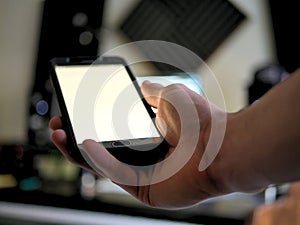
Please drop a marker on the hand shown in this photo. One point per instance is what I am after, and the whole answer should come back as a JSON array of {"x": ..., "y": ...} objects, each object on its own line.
[
  {"x": 283, "y": 211},
  {"x": 186, "y": 186}
]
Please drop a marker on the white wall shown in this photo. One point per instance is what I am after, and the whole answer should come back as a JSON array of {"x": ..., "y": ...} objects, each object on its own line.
[
  {"x": 19, "y": 22},
  {"x": 249, "y": 47}
]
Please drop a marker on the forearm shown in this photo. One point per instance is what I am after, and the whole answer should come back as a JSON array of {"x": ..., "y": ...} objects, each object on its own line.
[
  {"x": 262, "y": 142},
  {"x": 275, "y": 126}
]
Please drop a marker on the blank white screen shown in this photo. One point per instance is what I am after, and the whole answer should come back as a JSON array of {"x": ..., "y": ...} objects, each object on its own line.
[{"x": 111, "y": 121}]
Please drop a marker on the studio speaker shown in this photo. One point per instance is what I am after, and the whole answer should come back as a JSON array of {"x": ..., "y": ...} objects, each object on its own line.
[{"x": 68, "y": 28}]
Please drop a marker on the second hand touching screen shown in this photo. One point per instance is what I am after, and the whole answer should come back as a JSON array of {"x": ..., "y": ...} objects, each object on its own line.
[{"x": 118, "y": 111}]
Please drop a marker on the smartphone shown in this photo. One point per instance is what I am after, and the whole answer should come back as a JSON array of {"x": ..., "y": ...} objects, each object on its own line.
[{"x": 99, "y": 99}]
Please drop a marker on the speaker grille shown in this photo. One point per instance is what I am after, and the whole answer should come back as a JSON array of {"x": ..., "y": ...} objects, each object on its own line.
[{"x": 199, "y": 25}]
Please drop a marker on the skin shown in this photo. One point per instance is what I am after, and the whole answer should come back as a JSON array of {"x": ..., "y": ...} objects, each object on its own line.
[
  {"x": 286, "y": 210},
  {"x": 261, "y": 146}
]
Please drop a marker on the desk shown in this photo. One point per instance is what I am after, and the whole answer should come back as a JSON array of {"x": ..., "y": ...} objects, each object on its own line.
[
  {"x": 23, "y": 214},
  {"x": 232, "y": 209}
]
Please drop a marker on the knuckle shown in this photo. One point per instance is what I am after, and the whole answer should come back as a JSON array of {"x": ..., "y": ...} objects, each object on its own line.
[{"x": 171, "y": 89}]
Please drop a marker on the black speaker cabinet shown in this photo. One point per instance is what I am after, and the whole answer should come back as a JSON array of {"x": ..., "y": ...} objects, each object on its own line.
[
  {"x": 69, "y": 28},
  {"x": 285, "y": 21}
]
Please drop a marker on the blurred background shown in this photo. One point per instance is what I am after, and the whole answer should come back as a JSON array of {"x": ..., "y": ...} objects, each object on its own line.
[{"x": 249, "y": 46}]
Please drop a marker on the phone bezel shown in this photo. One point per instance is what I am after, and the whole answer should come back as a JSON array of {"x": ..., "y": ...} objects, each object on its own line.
[{"x": 123, "y": 152}]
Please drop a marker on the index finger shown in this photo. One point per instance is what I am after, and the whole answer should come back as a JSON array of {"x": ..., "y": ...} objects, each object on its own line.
[{"x": 55, "y": 123}]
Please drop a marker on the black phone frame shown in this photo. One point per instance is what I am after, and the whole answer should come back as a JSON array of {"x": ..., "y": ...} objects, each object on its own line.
[{"x": 123, "y": 153}]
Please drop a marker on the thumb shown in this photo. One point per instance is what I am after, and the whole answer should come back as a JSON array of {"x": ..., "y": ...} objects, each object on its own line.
[{"x": 151, "y": 92}]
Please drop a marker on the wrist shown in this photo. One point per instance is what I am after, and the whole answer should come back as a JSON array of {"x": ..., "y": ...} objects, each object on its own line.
[{"x": 234, "y": 168}]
